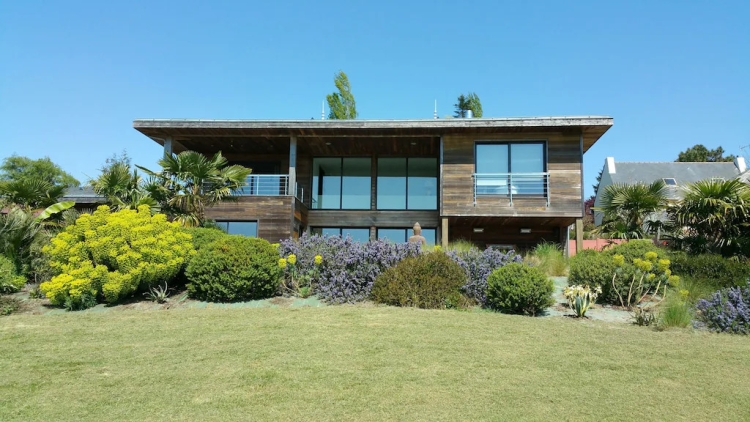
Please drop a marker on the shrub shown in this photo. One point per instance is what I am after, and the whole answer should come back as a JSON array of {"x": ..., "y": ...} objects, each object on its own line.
[
  {"x": 111, "y": 255},
  {"x": 348, "y": 268},
  {"x": 203, "y": 237},
  {"x": 8, "y": 305},
  {"x": 728, "y": 310},
  {"x": 581, "y": 298},
  {"x": 478, "y": 266},
  {"x": 431, "y": 281},
  {"x": 234, "y": 268},
  {"x": 518, "y": 288},
  {"x": 711, "y": 269},
  {"x": 594, "y": 269},
  {"x": 10, "y": 282},
  {"x": 635, "y": 249}
]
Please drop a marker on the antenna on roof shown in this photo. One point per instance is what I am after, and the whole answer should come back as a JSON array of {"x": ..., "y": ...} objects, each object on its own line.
[
  {"x": 323, "y": 110},
  {"x": 745, "y": 152},
  {"x": 434, "y": 113}
]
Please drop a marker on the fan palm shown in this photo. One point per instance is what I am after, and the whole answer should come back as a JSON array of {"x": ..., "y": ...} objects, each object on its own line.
[
  {"x": 630, "y": 209},
  {"x": 189, "y": 182},
  {"x": 714, "y": 216},
  {"x": 31, "y": 193},
  {"x": 122, "y": 188}
]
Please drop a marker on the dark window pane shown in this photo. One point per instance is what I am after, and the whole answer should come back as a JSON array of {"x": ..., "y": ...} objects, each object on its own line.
[
  {"x": 422, "y": 184},
  {"x": 326, "y": 183},
  {"x": 244, "y": 228},
  {"x": 392, "y": 235},
  {"x": 391, "y": 183},
  {"x": 356, "y": 187}
]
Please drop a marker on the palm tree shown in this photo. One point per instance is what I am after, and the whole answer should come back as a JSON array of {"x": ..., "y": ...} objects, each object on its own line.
[
  {"x": 630, "y": 211},
  {"x": 189, "y": 182},
  {"x": 714, "y": 216},
  {"x": 122, "y": 188},
  {"x": 31, "y": 193}
]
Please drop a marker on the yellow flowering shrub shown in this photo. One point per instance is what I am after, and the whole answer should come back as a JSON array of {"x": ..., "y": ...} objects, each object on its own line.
[{"x": 111, "y": 255}]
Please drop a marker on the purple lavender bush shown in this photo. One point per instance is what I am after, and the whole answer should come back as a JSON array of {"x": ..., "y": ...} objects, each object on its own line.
[
  {"x": 727, "y": 310},
  {"x": 349, "y": 268},
  {"x": 478, "y": 266}
]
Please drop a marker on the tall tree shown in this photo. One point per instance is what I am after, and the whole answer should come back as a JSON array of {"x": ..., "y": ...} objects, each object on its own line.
[
  {"x": 189, "y": 182},
  {"x": 699, "y": 153},
  {"x": 17, "y": 167},
  {"x": 33, "y": 184},
  {"x": 341, "y": 104},
  {"x": 468, "y": 102},
  {"x": 598, "y": 181}
]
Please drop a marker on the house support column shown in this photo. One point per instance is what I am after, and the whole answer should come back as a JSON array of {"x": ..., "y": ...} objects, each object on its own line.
[
  {"x": 579, "y": 235},
  {"x": 444, "y": 232},
  {"x": 168, "y": 145},
  {"x": 565, "y": 240},
  {"x": 292, "y": 188}
]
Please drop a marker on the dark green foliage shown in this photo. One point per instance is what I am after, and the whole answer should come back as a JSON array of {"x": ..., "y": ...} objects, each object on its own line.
[
  {"x": 518, "y": 288},
  {"x": 203, "y": 237},
  {"x": 430, "y": 281},
  {"x": 234, "y": 268},
  {"x": 699, "y": 153},
  {"x": 8, "y": 305},
  {"x": 711, "y": 269},
  {"x": 10, "y": 281},
  {"x": 341, "y": 104},
  {"x": 594, "y": 269},
  {"x": 468, "y": 102}
]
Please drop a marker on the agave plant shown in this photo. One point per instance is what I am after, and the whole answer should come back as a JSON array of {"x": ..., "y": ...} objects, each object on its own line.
[
  {"x": 158, "y": 294},
  {"x": 581, "y": 298}
]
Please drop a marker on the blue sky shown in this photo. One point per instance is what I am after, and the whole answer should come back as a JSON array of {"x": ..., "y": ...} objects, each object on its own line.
[{"x": 75, "y": 74}]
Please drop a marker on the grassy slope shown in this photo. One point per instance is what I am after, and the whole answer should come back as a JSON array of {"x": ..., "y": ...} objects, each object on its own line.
[{"x": 364, "y": 363}]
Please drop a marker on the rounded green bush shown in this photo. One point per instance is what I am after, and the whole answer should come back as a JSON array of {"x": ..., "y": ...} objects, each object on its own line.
[
  {"x": 234, "y": 268},
  {"x": 595, "y": 269},
  {"x": 633, "y": 249},
  {"x": 10, "y": 282},
  {"x": 519, "y": 288},
  {"x": 203, "y": 236},
  {"x": 711, "y": 269},
  {"x": 429, "y": 281}
]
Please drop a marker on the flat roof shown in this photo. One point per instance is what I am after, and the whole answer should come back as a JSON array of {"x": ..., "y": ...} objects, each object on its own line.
[{"x": 592, "y": 127}]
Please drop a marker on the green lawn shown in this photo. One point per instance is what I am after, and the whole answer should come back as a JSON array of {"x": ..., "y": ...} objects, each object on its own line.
[{"x": 362, "y": 363}]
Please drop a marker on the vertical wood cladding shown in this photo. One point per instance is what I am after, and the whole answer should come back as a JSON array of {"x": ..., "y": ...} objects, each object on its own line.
[
  {"x": 274, "y": 214},
  {"x": 564, "y": 162}
]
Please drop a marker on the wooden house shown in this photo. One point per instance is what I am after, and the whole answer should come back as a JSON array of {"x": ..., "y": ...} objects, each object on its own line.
[{"x": 503, "y": 182}]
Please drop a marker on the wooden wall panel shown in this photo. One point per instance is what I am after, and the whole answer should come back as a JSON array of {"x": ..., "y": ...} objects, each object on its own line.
[
  {"x": 369, "y": 218},
  {"x": 564, "y": 163},
  {"x": 507, "y": 231},
  {"x": 274, "y": 214}
]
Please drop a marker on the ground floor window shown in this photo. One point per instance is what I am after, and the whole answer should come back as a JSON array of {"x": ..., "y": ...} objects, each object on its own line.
[
  {"x": 244, "y": 228},
  {"x": 357, "y": 234},
  {"x": 402, "y": 235}
]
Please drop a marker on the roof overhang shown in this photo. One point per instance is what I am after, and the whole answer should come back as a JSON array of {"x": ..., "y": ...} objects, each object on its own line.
[{"x": 591, "y": 127}]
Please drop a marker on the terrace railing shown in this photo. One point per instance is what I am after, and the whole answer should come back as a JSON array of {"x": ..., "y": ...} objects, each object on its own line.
[{"x": 512, "y": 185}]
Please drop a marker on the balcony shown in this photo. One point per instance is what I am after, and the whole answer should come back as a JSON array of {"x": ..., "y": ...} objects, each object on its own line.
[
  {"x": 269, "y": 185},
  {"x": 510, "y": 185}
]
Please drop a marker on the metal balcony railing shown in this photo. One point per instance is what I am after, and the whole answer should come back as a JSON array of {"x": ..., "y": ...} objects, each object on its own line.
[
  {"x": 512, "y": 185},
  {"x": 264, "y": 185}
]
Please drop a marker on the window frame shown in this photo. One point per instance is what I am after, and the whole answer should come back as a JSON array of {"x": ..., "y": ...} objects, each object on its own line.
[
  {"x": 509, "y": 142},
  {"x": 257, "y": 226},
  {"x": 341, "y": 184},
  {"x": 341, "y": 231},
  {"x": 406, "y": 187},
  {"x": 406, "y": 233}
]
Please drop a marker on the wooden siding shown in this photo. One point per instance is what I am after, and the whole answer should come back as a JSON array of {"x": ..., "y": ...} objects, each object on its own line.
[
  {"x": 371, "y": 218},
  {"x": 564, "y": 162},
  {"x": 274, "y": 214},
  {"x": 507, "y": 231}
]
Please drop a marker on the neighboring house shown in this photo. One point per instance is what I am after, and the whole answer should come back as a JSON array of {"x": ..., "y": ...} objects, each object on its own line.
[
  {"x": 674, "y": 174},
  {"x": 506, "y": 182},
  {"x": 85, "y": 198}
]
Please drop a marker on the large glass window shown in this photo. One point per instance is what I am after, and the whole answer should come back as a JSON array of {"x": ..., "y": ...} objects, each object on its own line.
[
  {"x": 402, "y": 235},
  {"x": 357, "y": 234},
  {"x": 515, "y": 168},
  {"x": 244, "y": 228},
  {"x": 341, "y": 183},
  {"x": 407, "y": 183}
]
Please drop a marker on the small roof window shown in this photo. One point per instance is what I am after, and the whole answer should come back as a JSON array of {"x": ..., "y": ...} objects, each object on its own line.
[
  {"x": 670, "y": 181},
  {"x": 718, "y": 179}
]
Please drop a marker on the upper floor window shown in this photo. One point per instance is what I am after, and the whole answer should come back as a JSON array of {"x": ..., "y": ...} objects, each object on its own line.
[
  {"x": 341, "y": 183},
  {"x": 407, "y": 183},
  {"x": 504, "y": 168},
  {"x": 670, "y": 181}
]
